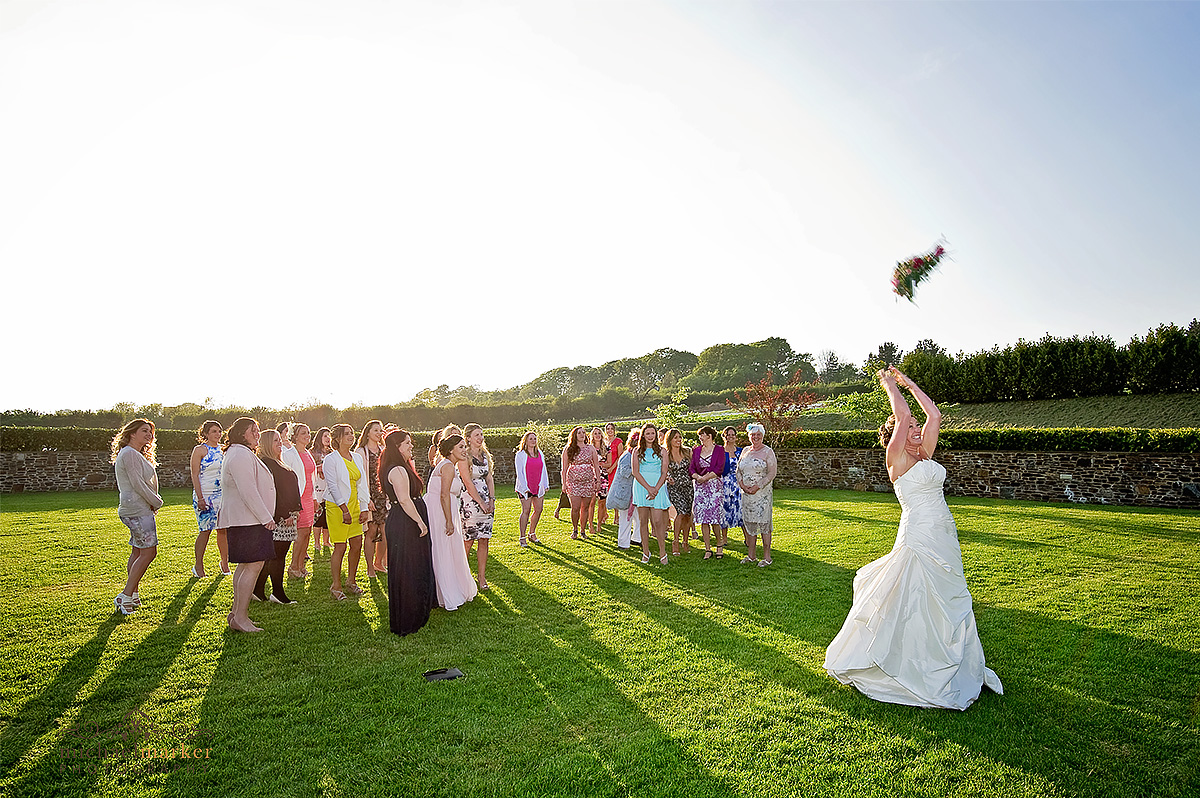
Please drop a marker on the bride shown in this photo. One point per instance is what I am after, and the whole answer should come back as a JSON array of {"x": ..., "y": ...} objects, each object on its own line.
[{"x": 910, "y": 637}]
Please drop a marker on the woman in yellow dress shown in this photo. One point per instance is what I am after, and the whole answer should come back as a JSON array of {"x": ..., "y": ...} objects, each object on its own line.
[{"x": 346, "y": 499}]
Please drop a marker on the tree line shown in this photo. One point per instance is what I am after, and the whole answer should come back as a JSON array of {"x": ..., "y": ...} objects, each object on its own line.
[{"x": 1166, "y": 359}]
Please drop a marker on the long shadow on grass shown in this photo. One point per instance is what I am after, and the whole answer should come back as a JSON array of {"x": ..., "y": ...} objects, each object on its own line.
[
  {"x": 122, "y": 692},
  {"x": 1097, "y": 713},
  {"x": 332, "y": 705}
]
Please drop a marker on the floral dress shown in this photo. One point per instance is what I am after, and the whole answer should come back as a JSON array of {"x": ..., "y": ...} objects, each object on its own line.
[
  {"x": 375, "y": 490},
  {"x": 476, "y": 523},
  {"x": 581, "y": 477},
  {"x": 707, "y": 506},
  {"x": 679, "y": 484},
  {"x": 733, "y": 494},
  {"x": 754, "y": 469},
  {"x": 602, "y": 478},
  {"x": 210, "y": 486}
]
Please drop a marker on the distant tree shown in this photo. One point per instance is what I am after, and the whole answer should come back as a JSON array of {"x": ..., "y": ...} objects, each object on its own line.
[
  {"x": 776, "y": 407},
  {"x": 832, "y": 369},
  {"x": 928, "y": 346},
  {"x": 887, "y": 354}
]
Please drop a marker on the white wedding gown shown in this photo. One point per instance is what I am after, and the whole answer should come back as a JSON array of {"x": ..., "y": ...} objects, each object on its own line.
[{"x": 910, "y": 637}]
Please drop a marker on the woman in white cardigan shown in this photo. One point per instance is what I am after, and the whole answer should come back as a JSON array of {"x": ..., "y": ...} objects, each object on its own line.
[
  {"x": 247, "y": 513},
  {"x": 346, "y": 490},
  {"x": 533, "y": 480}
]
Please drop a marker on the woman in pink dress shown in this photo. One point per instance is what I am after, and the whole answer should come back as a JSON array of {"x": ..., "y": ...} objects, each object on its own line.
[
  {"x": 301, "y": 437},
  {"x": 580, "y": 470},
  {"x": 443, "y": 500}
]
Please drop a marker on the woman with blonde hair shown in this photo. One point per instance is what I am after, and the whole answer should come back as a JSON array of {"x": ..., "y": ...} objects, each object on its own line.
[
  {"x": 600, "y": 515},
  {"x": 369, "y": 446},
  {"x": 679, "y": 487},
  {"x": 206, "y": 494},
  {"x": 649, "y": 476},
  {"x": 580, "y": 470},
  {"x": 435, "y": 455},
  {"x": 533, "y": 480},
  {"x": 286, "y": 514},
  {"x": 346, "y": 499},
  {"x": 247, "y": 514},
  {"x": 137, "y": 480},
  {"x": 478, "y": 507}
]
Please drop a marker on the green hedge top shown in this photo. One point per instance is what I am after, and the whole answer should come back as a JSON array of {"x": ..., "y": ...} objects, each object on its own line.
[{"x": 503, "y": 442}]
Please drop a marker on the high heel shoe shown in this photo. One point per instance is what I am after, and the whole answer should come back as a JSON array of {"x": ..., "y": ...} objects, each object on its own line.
[{"x": 196, "y": 575}]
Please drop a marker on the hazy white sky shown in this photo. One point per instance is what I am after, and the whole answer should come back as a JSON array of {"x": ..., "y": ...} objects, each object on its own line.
[{"x": 268, "y": 201}]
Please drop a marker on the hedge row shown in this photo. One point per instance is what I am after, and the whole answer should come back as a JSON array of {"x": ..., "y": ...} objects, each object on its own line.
[
  {"x": 1166, "y": 360},
  {"x": 1111, "y": 439}
]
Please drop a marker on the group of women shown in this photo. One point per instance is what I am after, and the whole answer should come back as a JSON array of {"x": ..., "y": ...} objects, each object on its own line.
[
  {"x": 715, "y": 486},
  {"x": 910, "y": 636}
]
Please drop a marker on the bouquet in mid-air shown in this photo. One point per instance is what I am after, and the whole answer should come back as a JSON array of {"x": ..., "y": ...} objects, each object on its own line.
[{"x": 909, "y": 273}]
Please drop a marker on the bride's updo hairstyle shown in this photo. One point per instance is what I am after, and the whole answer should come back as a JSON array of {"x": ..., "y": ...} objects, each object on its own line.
[
  {"x": 885, "y": 431},
  {"x": 447, "y": 445}
]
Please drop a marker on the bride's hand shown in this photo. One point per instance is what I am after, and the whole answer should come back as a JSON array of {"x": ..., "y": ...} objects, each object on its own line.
[{"x": 901, "y": 379}]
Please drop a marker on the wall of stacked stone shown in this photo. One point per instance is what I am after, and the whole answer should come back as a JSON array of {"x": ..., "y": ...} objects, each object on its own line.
[
  {"x": 1150, "y": 480},
  {"x": 1123, "y": 478}
]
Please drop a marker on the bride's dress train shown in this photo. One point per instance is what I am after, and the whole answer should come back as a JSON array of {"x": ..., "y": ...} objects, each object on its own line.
[{"x": 910, "y": 637}]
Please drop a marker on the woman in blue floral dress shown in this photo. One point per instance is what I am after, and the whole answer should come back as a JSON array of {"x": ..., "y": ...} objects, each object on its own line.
[
  {"x": 733, "y": 494},
  {"x": 206, "y": 494}
]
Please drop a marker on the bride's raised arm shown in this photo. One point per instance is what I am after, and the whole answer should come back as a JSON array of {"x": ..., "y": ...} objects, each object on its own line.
[
  {"x": 902, "y": 414},
  {"x": 933, "y": 416}
]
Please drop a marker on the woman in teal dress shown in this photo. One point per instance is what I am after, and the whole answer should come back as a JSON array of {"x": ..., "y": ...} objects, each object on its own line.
[{"x": 649, "y": 493}]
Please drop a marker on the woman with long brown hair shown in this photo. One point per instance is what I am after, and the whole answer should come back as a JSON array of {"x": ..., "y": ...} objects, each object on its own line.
[
  {"x": 287, "y": 513},
  {"x": 679, "y": 487},
  {"x": 247, "y": 514},
  {"x": 137, "y": 480},
  {"x": 322, "y": 444},
  {"x": 301, "y": 461},
  {"x": 411, "y": 590},
  {"x": 649, "y": 476},
  {"x": 206, "y": 494},
  {"x": 580, "y": 470},
  {"x": 369, "y": 446}
]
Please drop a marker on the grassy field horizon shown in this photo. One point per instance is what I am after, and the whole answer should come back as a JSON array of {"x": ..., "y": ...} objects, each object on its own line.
[{"x": 591, "y": 674}]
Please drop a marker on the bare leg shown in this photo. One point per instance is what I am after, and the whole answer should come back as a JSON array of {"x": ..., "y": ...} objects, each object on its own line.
[
  {"x": 602, "y": 509},
  {"x": 585, "y": 515},
  {"x": 381, "y": 553},
  {"x": 243, "y": 584},
  {"x": 139, "y": 561},
  {"x": 751, "y": 546},
  {"x": 525, "y": 507},
  {"x": 368, "y": 542},
  {"x": 201, "y": 545},
  {"x": 481, "y": 563},
  {"x": 538, "y": 505},
  {"x": 644, "y": 525},
  {"x": 223, "y": 550},
  {"x": 766, "y": 536},
  {"x": 576, "y": 506},
  {"x": 705, "y": 530},
  {"x": 356, "y": 547},
  {"x": 659, "y": 518},
  {"x": 335, "y": 566},
  {"x": 301, "y": 548}
]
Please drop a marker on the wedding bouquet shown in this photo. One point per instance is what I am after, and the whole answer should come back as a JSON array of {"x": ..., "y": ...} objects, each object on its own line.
[{"x": 909, "y": 273}]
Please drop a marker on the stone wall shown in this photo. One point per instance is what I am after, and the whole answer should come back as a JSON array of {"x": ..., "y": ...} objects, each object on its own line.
[{"x": 1151, "y": 480}]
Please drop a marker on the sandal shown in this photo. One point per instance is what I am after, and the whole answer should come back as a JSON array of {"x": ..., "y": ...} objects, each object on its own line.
[
  {"x": 764, "y": 563},
  {"x": 663, "y": 559},
  {"x": 707, "y": 555},
  {"x": 297, "y": 574},
  {"x": 645, "y": 559},
  {"x": 533, "y": 538},
  {"x": 337, "y": 594},
  {"x": 720, "y": 552},
  {"x": 353, "y": 587},
  {"x": 574, "y": 536},
  {"x": 748, "y": 560}
]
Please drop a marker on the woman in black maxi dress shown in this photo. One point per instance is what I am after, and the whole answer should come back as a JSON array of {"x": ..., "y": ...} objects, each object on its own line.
[{"x": 412, "y": 593}]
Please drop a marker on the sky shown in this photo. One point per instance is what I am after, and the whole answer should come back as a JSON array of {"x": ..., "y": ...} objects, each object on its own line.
[{"x": 275, "y": 202}]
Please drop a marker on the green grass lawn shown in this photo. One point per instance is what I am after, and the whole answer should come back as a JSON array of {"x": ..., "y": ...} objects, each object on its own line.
[{"x": 591, "y": 674}]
